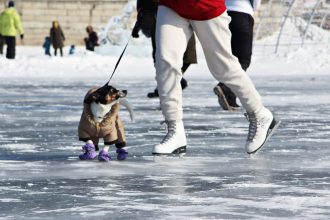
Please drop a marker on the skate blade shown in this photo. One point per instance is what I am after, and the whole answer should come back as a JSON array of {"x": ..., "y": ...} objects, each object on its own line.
[
  {"x": 177, "y": 152},
  {"x": 269, "y": 134},
  {"x": 272, "y": 130},
  {"x": 168, "y": 157}
]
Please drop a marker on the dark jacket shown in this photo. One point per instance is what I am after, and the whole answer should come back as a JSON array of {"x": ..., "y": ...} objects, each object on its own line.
[
  {"x": 147, "y": 6},
  {"x": 93, "y": 38},
  {"x": 91, "y": 41},
  {"x": 196, "y": 9},
  {"x": 57, "y": 37},
  {"x": 146, "y": 16}
]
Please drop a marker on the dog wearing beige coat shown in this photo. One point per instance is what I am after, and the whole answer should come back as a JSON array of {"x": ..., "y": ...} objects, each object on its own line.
[{"x": 100, "y": 119}]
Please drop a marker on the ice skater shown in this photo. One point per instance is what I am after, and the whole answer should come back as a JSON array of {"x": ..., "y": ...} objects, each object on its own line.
[
  {"x": 241, "y": 28},
  {"x": 208, "y": 19}
]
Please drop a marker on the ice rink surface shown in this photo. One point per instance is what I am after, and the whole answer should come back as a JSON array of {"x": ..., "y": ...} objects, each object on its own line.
[{"x": 41, "y": 176}]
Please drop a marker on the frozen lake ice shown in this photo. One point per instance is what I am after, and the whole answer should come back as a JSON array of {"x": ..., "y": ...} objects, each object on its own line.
[{"x": 42, "y": 178}]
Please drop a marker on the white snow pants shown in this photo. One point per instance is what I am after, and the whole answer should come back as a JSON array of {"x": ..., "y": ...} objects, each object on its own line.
[{"x": 172, "y": 35}]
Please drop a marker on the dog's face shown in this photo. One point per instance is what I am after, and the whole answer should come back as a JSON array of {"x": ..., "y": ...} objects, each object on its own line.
[{"x": 106, "y": 95}]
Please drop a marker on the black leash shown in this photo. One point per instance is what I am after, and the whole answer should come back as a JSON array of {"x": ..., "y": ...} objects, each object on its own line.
[{"x": 122, "y": 53}]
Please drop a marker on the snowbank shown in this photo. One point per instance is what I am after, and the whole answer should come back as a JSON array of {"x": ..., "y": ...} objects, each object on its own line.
[{"x": 137, "y": 62}]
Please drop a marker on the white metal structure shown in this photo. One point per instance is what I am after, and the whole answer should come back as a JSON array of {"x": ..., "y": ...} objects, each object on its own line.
[{"x": 287, "y": 24}]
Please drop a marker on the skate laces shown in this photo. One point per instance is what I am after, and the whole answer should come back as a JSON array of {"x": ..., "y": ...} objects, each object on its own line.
[
  {"x": 254, "y": 124},
  {"x": 170, "y": 131}
]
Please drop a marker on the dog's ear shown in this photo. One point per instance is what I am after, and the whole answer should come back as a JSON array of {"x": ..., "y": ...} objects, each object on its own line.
[
  {"x": 93, "y": 97},
  {"x": 89, "y": 99},
  {"x": 106, "y": 89}
]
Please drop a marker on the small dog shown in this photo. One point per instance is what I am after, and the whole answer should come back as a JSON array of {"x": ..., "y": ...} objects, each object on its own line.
[{"x": 100, "y": 119}]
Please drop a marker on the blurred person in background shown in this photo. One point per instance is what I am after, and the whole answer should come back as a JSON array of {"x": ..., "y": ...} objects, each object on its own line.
[
  {"x": 57, "y": 37},
  {"x": 241, "y": 28},
  {"x": 2, "y": 41},
  {"x": 46, "y": 46},
  {"x": 92, "y": 40},
  {"x": 72, "y": 49},
  {"x": 10, "y": 26}
]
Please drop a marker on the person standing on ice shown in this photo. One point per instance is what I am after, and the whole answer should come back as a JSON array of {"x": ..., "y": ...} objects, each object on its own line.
[
  {"x": 146, "y": 21},
  {"x": 11, "y": 26},
  {"x": 57, "y": 37},
  {"x": 241, "y": 28},
  {"x": 46, "y": 45},
  {"x": 208, "y": 19}
]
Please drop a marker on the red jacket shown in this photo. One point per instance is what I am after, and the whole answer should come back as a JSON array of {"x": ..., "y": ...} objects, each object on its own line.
[{"x": 196, "y": 9}]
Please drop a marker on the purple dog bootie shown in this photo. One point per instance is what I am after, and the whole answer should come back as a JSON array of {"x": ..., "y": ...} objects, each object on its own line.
[
  {"x": 104, "y": 156},
  {"x": 89, "y": 152},
  {"x": 121, "y": 154}
]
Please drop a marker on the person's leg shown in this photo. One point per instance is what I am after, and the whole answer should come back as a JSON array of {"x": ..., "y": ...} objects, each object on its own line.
[
  {"x": 215, "y": 36},
  {"x": 183, "y": 82},
  {"x": 153, "y": 94},
  {"x": 189, "y": 57},
  {"x": 153, "y": 43},
  {"x": 241, "y": 28},
  {"x": 55, "y": 51},
  {"x": 226, "y": 97},
  {"x": 86, "y": 43},
  {"x": 11, "y": 47},
  {"x": 61, "y": 51},
  {"x": 184, "y": 67},
  {"x": 2, "y": 41},
  {"x": 172, "y": 35}
]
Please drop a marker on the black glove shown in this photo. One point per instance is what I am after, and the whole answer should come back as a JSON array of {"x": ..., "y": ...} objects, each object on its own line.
[
  {"x": 22, "y": 36},
  {"x": 135, "y": 35},
  {"x": 135, "y": 31}
]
